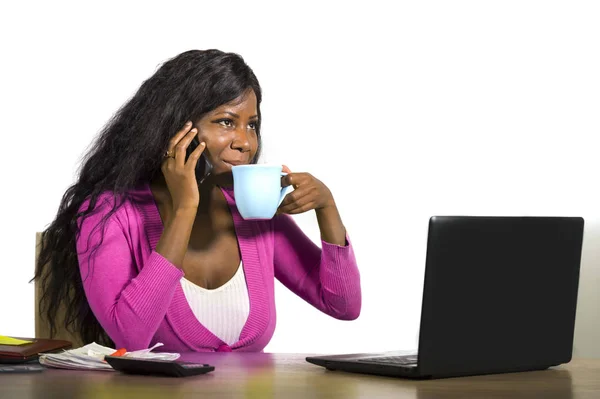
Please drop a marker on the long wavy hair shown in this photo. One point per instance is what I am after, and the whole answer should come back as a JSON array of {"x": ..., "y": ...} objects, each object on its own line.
[{"x": 127, "y": 152}]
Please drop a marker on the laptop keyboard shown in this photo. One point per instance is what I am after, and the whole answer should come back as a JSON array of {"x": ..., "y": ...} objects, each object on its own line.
[{"x": 398, "y": 360}]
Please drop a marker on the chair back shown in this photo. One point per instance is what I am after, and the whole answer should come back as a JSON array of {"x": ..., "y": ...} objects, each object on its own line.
[{"x": 42, "y": 327}]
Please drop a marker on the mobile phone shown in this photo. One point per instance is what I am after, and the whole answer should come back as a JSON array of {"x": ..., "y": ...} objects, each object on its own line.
[
  {"x": 168, "y": 368},
  {"x": 193, "y": 145},
  {"x": 203, "y": 168},
  {"x": 20, "y": 368}
]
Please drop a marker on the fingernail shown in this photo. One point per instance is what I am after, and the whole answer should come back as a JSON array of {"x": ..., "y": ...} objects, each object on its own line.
[
  {"x": 194, "y": 130},
  {"x": 203, "y": 143}
]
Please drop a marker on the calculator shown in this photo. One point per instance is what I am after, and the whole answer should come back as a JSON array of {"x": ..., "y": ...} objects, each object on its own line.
[{"x": 168, "y": 368}]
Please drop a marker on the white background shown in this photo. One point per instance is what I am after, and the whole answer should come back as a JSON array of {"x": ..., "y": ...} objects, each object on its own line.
[{"x": 404, "y": 109}]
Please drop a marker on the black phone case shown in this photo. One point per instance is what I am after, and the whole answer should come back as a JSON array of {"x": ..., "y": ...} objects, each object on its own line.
[
  {"x": 20, "y": 368},
  {"x": 193, "y": 145}
]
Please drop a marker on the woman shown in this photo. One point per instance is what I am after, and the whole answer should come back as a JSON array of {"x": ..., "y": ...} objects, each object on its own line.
[{"x": 148, "y": 245}]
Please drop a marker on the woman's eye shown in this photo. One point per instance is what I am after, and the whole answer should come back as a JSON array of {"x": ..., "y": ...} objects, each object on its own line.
[
  {"x": 252, "y": 125},
  {"x": 226, "y": 122}
]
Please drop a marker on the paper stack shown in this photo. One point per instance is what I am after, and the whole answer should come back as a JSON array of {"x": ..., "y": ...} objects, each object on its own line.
[{"x": 91, "y": 357}]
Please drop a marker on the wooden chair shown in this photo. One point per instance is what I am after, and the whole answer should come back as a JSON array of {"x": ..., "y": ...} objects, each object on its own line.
[{"x": 42, "y": 327}]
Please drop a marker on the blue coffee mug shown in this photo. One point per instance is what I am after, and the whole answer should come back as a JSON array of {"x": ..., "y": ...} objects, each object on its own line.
[{"x": 257, "y": 190}]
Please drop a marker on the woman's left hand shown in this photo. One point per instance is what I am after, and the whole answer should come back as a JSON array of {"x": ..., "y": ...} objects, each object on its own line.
[{"x": 309, "y": 193}]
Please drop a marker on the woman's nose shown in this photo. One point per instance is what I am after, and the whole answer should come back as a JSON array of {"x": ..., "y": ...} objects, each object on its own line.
[{"x": 241, "y": 141}]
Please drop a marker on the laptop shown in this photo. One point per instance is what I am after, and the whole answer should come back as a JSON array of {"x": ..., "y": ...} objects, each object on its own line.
[{"x": 499, "y": 296}]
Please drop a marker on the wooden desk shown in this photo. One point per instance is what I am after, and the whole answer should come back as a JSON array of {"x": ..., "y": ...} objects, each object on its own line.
[{"x": 290, "y": 376}]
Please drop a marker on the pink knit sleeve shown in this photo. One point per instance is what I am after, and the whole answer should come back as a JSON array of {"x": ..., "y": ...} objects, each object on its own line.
[
  {"x": 129, "y": 305},
  {"x": 326, "y": 277}
]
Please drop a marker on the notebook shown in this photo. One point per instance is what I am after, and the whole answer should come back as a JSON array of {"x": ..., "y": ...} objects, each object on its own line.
[{"x": 29, "y": 351}]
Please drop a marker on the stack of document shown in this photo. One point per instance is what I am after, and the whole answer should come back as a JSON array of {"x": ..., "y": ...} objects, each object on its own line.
[{"x": 91, "y": 357}]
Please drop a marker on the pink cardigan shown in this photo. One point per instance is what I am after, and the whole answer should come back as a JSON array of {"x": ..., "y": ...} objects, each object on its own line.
[{"x": 135, "y": 293}]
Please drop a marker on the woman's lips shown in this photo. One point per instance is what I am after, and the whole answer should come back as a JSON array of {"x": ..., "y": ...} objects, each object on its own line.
[{"x": 235, "y": 163}]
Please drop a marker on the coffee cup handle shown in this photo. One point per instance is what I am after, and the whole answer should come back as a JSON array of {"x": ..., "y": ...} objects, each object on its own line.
[{"x": 284, "y": 190}]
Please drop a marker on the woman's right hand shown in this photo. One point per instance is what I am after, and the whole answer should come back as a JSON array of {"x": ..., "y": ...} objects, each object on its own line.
[{"x": 180, "y": 174}]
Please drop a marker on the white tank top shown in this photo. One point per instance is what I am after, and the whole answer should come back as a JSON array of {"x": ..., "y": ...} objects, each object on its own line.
[{"x": 224, "y": 310}]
